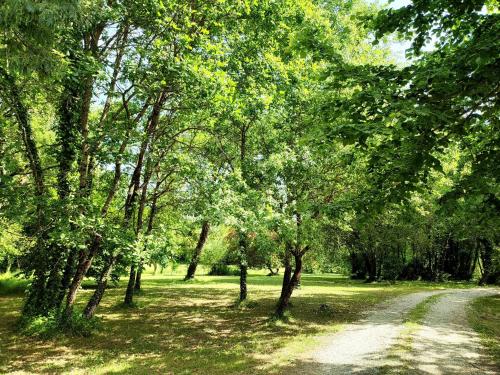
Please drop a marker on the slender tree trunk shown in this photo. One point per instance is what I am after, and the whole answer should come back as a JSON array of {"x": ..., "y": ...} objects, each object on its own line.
[
  {"x": 9, "y": 265},
  {"x": 91, "y": 44},
  {"x": 129, "y": 294},
  {"x": 134, "y": 270},
  {"x": 243, "y": 267},
  {"x": 487, "y": 259},
  {"x": 101, "y": 287},
  {"x": 22, "y": 117},
  {"x": 284, "y": 301},
  {"x": 242, "y": 236},
  {"x": 197, "y": 251},
  {"x": 287, "y": 275},
  {"x": 371, "y": 266},
  {"x": 3, "y": 160},
  {"x": 243, "y": 281},
  {"x": 36, "y": 297},
  {"x": 56, "y": 266},
  {"x": 84, "y": 264},
  {"x": 69, "y": 272},
  {"x": 138, "y": 277},
  {"x": 474, "y": 262}
]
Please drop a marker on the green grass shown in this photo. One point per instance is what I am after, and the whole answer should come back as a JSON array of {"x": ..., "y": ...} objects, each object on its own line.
[
  {"x": 194, "y": 327},
  {"x": 11, "y": 285},
  {"x": 418, "y": 313},
  {"x": 484, "y": 318}
]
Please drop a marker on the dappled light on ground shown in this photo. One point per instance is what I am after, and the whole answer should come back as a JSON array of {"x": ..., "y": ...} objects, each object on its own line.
[
  {"x": 362, "y": 345},
  {"x": 442, "y": 345},
  {"x": 186, "y": 328},
  {"x": 446, "y": 344},
  {"x": 195, "y": 328}
]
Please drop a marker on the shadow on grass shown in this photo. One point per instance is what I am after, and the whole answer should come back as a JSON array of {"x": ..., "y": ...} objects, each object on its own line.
[{"x": 188, "y": 328}]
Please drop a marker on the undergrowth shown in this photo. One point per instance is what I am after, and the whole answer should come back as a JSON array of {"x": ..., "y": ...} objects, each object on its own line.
[{"x": 57, "y": 323}]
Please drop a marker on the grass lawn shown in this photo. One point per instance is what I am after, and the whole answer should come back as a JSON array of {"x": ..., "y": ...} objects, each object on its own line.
[
  {"x": 193, "y": 327},
  {"x": 484, "y": 317}
]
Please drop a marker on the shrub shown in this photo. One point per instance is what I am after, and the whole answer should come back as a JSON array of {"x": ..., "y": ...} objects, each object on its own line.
[
  {"x": 221, "y": 269},
  {"x": 56, "y": 323}
]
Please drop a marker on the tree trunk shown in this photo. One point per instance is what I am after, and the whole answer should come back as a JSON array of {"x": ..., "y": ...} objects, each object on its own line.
[
  {"x": 21, "y": 114},
  {"x": 197, "y": 251},
  {"x": 101, "y": 287},
  {"x": 36, "y": 298},
  {"x": 68, "y": 274},
  {"x": 67, "y": 135},
  {"x": 138, "y": 277},
  {"x": 271, "y": 271},
  {"x": 129, "y": 294},
  {"x": 287, "y": 290},
  {"x": 476, "y": 257},
  {"x": 9, "y": 265},
  {"x": 35, "y": 303},
  {"x": 488, "y": 276},
  {"x": 56, "y": 266},
  {"x": 371, "y": 266},
  {"x": 243, "y": 267},
  {"x": 84, "y": 264},
  {"x": 243, "y": 282},
  {"x": 287, "y": 275}
]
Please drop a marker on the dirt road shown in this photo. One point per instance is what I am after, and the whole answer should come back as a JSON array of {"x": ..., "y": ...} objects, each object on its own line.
[{"x": 445, "y": 344}]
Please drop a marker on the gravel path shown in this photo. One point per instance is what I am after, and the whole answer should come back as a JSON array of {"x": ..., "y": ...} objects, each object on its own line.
[
  {"x": 362, "y": 347},
  {"x": 446, "y": 344}
]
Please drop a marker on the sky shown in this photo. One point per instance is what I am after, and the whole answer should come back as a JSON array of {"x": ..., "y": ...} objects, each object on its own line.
[{"x": 397, "y": 48}]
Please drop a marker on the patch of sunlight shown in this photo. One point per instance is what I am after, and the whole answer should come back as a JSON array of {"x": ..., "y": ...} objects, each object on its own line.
[
  {"x": 295, "y": 349},
  {"x": 114, "y": 366}
]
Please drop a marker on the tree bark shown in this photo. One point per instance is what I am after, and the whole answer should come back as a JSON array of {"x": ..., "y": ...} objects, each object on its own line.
[
  {"x": 84, "y": 264},
  {"x": 129, "y": 294},
  {"x": 36, "y": 297},
  {"x": 22, "y": 118},
  {"x": 64, "y": 257},
  {"x": 68, "y": 274},
  {"x": 101, "y": 287},
  {"x": 487, "y": 259},
  {"x": 138, "y": 277},
  {"x": 243, "y": 267},
  {"x": 151, "y": 218},
  {"x": 243, "y": 282},
  {"x": 287, "y": 289},
  {"x": 57, "y": 262},
  {"x": 287, "y": 275},
  {"x": 197, "y": 251}
]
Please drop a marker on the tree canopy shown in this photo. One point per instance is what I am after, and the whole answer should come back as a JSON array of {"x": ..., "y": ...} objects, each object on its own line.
[{"x": 246, "y": 134}]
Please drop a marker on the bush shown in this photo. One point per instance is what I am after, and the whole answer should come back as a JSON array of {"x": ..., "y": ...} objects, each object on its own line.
[
  {"x": 221, "y": 269},
  {"x": 56, "y": 323}
]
